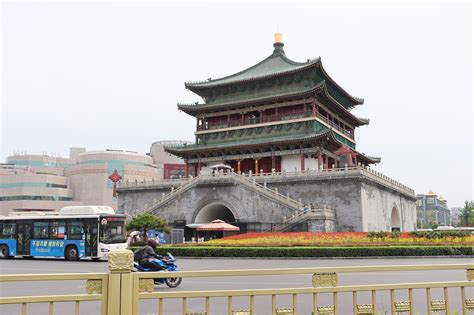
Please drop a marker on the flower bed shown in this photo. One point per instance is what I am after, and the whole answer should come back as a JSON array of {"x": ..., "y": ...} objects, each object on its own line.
[{"x": 288, "y": 239}]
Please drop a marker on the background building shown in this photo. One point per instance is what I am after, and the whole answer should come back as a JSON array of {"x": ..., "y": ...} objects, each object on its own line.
[
  {"x": 91, "y": 180},
  {"x": 455, "y": 213},
  {"x": 432, "y": 210},
  {"x": 47, "y": 183},
  {"x": 169, "y": 165},
  {"x": 29, "y": 188}
]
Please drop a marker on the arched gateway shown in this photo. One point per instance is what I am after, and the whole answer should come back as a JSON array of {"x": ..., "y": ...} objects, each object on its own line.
[
  {"x": 213, "y": 210},
  {"x": 395, "y": 220}
]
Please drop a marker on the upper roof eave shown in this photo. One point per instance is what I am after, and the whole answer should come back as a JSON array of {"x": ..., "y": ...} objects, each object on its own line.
[
  {"x": 196, "y": 107},
  {"x": 322, "y": 86},
  {"x": 298, "y": 66},
  {"x": 356, "y": 100},
  {"x": 329, "y": 135}
]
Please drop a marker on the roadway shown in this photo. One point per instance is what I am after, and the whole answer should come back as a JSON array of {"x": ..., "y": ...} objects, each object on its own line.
[{"x": 38, "y": 266}]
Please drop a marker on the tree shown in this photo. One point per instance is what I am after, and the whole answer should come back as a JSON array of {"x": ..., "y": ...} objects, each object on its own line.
[
  {"x": 466, "y": 213},
  {"x": 147, "y": 221}
]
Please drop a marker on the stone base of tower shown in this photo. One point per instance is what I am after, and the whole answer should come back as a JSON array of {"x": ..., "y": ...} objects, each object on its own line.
[{"x": 350, "y": 199}]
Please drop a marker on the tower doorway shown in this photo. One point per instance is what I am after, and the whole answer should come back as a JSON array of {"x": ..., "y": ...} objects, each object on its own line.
[{"x": 395, "y": 220}]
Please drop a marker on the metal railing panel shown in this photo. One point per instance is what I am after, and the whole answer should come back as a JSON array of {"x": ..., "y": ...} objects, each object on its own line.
[
  {"x": 306, "y": 290},
  {"x": 306, "y": 270}
]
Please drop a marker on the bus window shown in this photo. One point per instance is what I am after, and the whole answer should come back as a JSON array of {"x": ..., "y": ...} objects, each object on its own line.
[
  {"x": 7, "y": 230},
  {"x": 75, "y": 230},
  {"x": 40, "y": 229},
  {"x": 56, "y": 230},
  {"x": 112, "y": 230}
]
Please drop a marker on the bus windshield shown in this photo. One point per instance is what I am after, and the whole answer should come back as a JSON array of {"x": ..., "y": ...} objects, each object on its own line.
[{"x": 112, "y": 230}]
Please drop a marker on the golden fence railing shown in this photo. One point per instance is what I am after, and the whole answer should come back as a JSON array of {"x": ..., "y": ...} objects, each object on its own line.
[
  {"x": 121, "y": 291},
  {"x": 96, "y": 288},
  {"x": 324, "y": 297}
]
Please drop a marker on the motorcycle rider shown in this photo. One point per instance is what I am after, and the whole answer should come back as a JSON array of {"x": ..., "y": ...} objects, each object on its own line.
[{"x": 149, "y": 255}]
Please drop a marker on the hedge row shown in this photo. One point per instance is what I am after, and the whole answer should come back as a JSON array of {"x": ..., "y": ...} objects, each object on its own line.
[
  {"x": 308, "y": 251},
  {"x": 440, "y": 234}
]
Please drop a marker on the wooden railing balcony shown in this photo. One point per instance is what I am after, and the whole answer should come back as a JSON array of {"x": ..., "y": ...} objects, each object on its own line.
[{"x": 272, "y": 118}]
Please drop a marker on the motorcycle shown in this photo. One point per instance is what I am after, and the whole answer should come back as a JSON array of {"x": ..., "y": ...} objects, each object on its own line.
[{"x": 168, "y": 263}]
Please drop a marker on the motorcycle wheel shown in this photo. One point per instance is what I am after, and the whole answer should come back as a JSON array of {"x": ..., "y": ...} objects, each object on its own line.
[{"x": 173, "y": 282}]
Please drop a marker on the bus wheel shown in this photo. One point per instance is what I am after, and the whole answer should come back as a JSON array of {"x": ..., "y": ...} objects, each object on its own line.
[
  {"x": 4, "y": 252},
  {"x": 71, "y": 253}
]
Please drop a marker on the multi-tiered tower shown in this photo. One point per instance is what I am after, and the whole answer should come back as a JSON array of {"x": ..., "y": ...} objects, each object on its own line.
[
  {"x": 288, "y": 127},
  {"x": 276, "y": 115}
]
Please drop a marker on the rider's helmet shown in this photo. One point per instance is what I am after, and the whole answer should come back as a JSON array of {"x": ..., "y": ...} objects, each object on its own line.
[{"x": 152, "y": 243}]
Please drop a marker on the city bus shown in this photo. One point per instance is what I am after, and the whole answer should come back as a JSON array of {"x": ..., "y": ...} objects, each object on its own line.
[{"x": 76, "y": 232}]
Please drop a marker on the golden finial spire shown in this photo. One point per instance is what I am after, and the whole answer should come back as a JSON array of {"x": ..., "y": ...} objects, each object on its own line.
[{"x": 278, "y": 38}]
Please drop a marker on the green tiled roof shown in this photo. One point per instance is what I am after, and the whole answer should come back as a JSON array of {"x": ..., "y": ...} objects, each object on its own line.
[
  {"x": 275, "y": 64},
  {"x": 182, "y": 149},
  {"x": 284, "y": 92},
  {"x": 193, "y": 147}
]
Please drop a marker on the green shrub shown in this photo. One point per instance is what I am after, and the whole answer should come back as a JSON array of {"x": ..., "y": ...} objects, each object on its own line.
[
  {"x": 440, "y": 234},
  {"x": 395, "y": 234},
  {"x": 377, "y": 234},
  {"x": 309, "y": 251}
]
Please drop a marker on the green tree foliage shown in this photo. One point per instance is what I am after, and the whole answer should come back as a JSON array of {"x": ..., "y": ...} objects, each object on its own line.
[
  {"x": 466, "y": 214},
  {"x": 147, "y": 221}
]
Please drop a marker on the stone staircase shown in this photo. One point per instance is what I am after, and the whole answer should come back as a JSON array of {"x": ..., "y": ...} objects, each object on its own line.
[
  {"x": 231, "y": 177},
  {"x": 302, "y": 216}
]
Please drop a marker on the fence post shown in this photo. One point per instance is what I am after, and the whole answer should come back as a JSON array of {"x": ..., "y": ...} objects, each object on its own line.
[{"x": 120, "y": 288}]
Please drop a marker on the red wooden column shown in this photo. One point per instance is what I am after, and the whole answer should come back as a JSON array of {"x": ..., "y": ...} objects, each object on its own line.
[
  {"x": 186, "y": 173},
  {"x": 302, "y": 161},
  {"x": 238, "y": 166},
  {"x": 256, "y": 167}
]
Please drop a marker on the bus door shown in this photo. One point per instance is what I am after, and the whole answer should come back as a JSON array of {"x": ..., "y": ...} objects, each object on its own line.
[
  {"x": 91, "y": 235},
  {"x": 23, "y": 238}
]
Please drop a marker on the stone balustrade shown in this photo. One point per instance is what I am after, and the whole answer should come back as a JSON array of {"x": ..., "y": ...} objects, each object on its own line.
[{"x": 333, "y": 173}]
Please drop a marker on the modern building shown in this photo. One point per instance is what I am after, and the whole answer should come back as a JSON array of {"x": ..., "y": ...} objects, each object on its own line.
[
  {"x": 24, "y": 189},
  {"x": 455, "y": 215},
  {"x": 46, "y": 183},
  {"x": 169, "y": 166},
  {"x": 92, "y": 176},
  {"x": 432, "y": 209},
  {"x": 286, "y": 130}
]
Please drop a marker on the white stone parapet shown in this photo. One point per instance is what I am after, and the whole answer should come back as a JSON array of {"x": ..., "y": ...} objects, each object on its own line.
[{"x": 334, "y": 173}]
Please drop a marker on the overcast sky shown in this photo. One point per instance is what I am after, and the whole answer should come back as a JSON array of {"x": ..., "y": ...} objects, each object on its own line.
[{"x": 108, "y": 75}]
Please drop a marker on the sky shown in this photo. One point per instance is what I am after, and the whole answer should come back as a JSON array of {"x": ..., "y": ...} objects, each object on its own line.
[{"x": 108, "y": 75}]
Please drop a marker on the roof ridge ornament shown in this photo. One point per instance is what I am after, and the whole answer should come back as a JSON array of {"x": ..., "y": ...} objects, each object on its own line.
[{"x": 278, "y": 45}]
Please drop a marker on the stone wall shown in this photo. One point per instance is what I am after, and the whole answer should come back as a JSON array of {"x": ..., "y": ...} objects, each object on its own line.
[{"x": 361, "y": 202}]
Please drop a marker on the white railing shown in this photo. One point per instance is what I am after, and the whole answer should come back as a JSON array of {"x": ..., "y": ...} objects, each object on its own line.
[
  {"x": 253, "y": 179},
  {"x": 219, "y": 177},
  {"x": 173, "y": 193}
]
